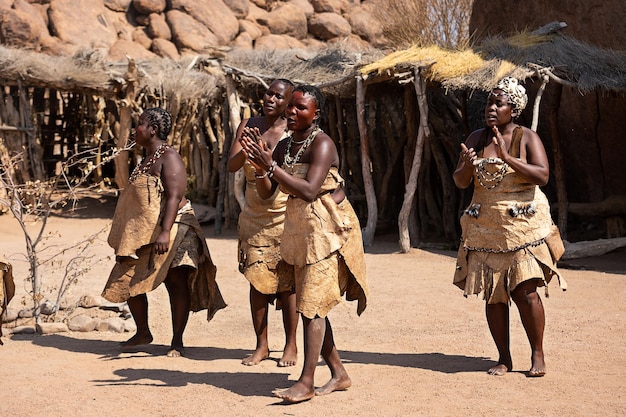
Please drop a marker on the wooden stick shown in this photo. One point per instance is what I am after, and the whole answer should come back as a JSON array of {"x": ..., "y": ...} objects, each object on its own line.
[
  {"x": 411, "y": 186},
  {"x": 366, "y": 166}
]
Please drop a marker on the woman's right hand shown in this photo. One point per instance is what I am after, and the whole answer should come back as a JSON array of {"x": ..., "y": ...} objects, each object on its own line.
[
  {"x": 256, "y": 150},
  {"x": 468, "y": 155}
]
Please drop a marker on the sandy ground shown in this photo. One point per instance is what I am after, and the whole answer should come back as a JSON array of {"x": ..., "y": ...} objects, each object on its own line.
[{"x": 420, "y": 348}]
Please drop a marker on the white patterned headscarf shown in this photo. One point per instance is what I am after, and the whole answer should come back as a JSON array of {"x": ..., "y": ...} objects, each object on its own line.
[{"x": 514, "y": 91}]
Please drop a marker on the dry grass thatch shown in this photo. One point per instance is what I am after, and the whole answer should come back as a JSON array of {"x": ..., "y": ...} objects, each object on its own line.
[
  {"x": 89, "y": 72},
  {"x": 332, "y": 69},
  {"x": 586, "y": 66}
]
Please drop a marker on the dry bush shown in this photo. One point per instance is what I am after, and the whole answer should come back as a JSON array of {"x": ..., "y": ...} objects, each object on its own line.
[{"x": 425, "y": 22}]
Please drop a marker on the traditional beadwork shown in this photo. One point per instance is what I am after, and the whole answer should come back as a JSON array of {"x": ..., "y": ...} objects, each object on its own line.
[
  {"x": 143, "y": 168},
  {"x": 488, "y": 179},
  {"x": 290, "y": 161}
]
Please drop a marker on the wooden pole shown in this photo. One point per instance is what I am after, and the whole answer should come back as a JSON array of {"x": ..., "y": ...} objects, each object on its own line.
[
  {"x": 411, "y": 186},
  {"x": 366, "y": 166},
  {"x": 126, "y": 121},
  {"x": 542, "y": 88},
  {"x": 234, "y": 112}
]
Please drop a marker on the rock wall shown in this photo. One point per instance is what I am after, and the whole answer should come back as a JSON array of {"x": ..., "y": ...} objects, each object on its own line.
[
  {"x": 148, "y": 28},
  {"x": 590, "y": 125}
]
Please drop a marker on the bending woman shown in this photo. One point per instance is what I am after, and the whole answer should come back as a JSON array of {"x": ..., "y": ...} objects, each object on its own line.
[
  {"x": 322, "y": 236},
  {"x": 507, "y": 248}
]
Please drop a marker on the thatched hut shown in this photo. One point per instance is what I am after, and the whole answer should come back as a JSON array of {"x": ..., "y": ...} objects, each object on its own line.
[{"x": 398, "y": 119}]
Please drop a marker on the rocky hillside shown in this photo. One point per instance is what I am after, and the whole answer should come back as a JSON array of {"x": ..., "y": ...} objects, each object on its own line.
[{"x": 173, "y": 28}]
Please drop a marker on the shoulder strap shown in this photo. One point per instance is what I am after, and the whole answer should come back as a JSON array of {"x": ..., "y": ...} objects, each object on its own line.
[{"x": 516, "y": 139}]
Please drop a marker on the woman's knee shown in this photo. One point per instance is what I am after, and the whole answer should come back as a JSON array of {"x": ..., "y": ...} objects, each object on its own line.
[{"x": 526, "y": 292}]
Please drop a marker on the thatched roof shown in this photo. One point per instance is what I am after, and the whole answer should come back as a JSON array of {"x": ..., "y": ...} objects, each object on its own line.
[
  {"x": 575, "y": 63},
  {"x": 190, "y": 78},
  {"x": 89, "y": 72},
  {"x": 332, "y": 69},
  {"x": 567, "y": 60}
]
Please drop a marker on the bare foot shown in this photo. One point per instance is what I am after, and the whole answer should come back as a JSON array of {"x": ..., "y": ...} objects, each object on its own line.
[
  {"x": 175, "y": 352},
  {"x": 335, "y": 384},
  {"x": 258, "y": 356},
  {"x": 296, "y": 394},
  {"x": 290, "y": 357},
  {"x": 137, "y": 339},
  {"x": 538, "y": 367},
  {"x": 498, "y": 370}
]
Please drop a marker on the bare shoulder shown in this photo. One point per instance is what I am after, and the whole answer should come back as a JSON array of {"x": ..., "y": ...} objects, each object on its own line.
[
  {"x": 171, "y": 156},
  {"x": 323, "y": 140},
  {"x": 529, "y": 137},
  {"x": 257, "y": 121},
  {"x": 474, "y": 138}
]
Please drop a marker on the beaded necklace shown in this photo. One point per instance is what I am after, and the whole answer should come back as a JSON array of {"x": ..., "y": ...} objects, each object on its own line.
[
  {"x": 487, "y": 179},
  {"x": 289, "y": 160},
  {"x": 143, "y": 168}
]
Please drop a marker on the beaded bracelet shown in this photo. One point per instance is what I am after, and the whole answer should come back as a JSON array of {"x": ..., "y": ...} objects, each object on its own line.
[
  {"x": 270, "y": 170},
  {"x": 260, "y": 176}
]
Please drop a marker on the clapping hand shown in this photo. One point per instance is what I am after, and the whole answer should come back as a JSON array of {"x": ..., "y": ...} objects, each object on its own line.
[
  {"x": 499, "y": 143},
  {"x": 255, "y": 149},
  {"x": 468, "y": 155}
]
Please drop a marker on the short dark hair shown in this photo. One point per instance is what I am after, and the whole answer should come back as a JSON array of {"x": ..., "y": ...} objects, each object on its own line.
[
  {"x": 161, "y": 120},
  {"x": 313, "y": 92},
  {"x": 285, "y": 81}
]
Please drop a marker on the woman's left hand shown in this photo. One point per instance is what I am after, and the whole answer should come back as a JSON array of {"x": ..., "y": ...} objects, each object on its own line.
[
  {"x": 162, "y": 242},
  {"x": 256, "y": 150}
]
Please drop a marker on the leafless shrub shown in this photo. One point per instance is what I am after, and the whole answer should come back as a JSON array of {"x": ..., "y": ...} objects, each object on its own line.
[{"x": 425, "y": 22}]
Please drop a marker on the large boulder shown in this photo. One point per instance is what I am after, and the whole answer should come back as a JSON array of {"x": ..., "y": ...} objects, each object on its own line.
[
  {"x": 140, "y": 35},
  {"x": 118, "y": 5},
  {"x": 215, "y": 15},
  {"x": 305, "y": 6},
  {"x": 365, "y": 25},
  {"x": 103, "y": 23},
  {"x": 158, "y": 27},
  {"x": 123, "y": 49},
  {"x": 147, "y": 7},
  {"x": 22, "y": 26},
  {"x": 330, "y": 6},
  {"x": 188, "y": 33},
  {"x": 239, "y": 7},
  {"x": 327, "y": 26},
  {"x": 257, "y": 14},
  {"x": 253, "y": 29},
  {"x": 165, "y": 49},
  {"x": 271, "y": 42},
  {"x": 289, "y": 20}
]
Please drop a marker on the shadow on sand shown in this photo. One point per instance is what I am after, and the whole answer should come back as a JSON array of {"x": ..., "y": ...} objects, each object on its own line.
[{"x": 110, "y": 350}]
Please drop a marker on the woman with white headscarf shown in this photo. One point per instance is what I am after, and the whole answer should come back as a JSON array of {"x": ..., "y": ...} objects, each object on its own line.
[{"x": 509, "y": 245}]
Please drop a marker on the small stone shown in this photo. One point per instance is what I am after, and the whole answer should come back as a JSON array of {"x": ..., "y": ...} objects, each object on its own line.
[
  {"x": 49, "y": 328},
  {"x": 47, "y": 308},
  {"x": 9, "y": 315},
  {"x": 130, "y": 326},
  {"x": 25, "y": 313},
  {"x": 82, "y": 323},
  {"x": 114, "y": 324},
  {"x": 90, "y": 301},
  {"x": 23, "y": 330}
]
